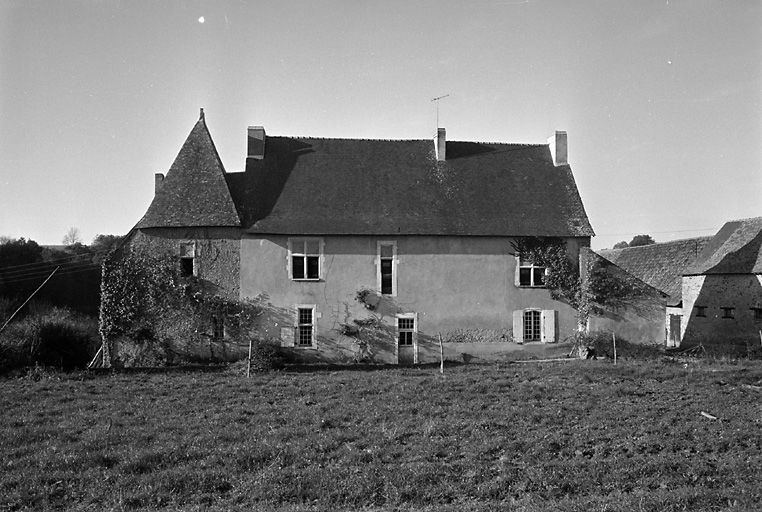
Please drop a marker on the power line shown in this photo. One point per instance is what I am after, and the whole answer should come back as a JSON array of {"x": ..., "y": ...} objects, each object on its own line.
[
  {"x": 56, "y": 260},
  {"x": 61, "y": 273},
  {"x": 6, "y": 278},
  {"x": 44, "y": 267}
]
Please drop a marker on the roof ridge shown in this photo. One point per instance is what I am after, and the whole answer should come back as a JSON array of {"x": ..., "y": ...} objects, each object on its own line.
[
  {"x": 365, "y": 139},
  {"x": 705, "y": 237},
  {"x": 745, "y": 219}
]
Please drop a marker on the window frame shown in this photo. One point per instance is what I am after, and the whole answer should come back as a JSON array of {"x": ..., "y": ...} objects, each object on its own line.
[
  {"x": 395, "y": 262},
  {"x": 700, "y": 311},
  {"x": 414, "y": 330},
  {"x": 756, "y": 314},
  {"x": 728, "y": 313},
  {"x": 534, "y": 313},
  {"x": 303, "y": 241},
  {"x": 406, "y": 330},
  {"x": 298, "y": 324},
  {"x": 547, "y": 324},
  {"x": 525, "y": 264},
  {"x": 183, "y": 256}
]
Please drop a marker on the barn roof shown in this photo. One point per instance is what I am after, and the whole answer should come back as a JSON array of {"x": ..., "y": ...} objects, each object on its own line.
[
  {"x": 660, "y": 265},
  {"x": 390, "y": 187},
  {"x": 194, "y": 192},
  {"x": 735, "y": 249}
]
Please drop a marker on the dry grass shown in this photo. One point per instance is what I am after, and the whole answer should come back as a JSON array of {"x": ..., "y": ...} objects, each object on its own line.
[{"x": 561, "y": 436}]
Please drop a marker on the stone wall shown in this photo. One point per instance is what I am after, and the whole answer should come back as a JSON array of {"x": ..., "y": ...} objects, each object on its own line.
[
  {"x": 218, "y": 253},
  {"x": 705, "y": 321}
]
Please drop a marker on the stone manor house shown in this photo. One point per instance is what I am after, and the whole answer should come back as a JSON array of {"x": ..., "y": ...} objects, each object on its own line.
[{"x": 416, "y": 235}]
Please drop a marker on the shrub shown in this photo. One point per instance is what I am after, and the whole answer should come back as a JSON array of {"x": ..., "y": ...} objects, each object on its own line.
[
  {"x": 52, "y": 337},
  {"x": 603, "y": 344},
  {"x": 152, "y": 316},
  {"x": 266, "y": 355}
]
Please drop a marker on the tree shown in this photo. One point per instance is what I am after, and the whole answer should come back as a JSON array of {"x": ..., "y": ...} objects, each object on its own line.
[
  {"x": 72, "y": 236},
  {"x": 621, "y": 245},
  {"x": 19, "y": 252},
  {"x": 102, "y": 245},
  {"x": 639, "y": 240}
]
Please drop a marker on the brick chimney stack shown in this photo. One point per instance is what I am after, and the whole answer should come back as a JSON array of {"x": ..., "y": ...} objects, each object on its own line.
[
  {"x": 158, "y": 181},
  {"x": 440, "y": 145},
  {"x": 256, "y": 145},
  {"x": 558, "y": 148}
]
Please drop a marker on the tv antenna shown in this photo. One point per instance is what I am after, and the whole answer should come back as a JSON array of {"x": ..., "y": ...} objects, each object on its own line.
[{"x": 437, "y": 102}]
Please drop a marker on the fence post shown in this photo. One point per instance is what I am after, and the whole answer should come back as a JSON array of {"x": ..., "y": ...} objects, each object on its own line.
[
  {"x": 248, "y": 361},
  {"x": 441, "y": 355},
  {"x": 613, "y": 335}
]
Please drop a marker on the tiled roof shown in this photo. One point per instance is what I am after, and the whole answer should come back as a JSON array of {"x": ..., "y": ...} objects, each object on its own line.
[
  {"x": 735, "y": 249},
  {"x": 194, "y": 192},
  {"x": 614, "y": 270},
  {"x": 660, "y": 265},
  {"x": 389, "y": 187}
]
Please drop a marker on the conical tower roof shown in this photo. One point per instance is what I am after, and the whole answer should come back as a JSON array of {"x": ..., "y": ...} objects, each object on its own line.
[{"x": 194, "y": 192}]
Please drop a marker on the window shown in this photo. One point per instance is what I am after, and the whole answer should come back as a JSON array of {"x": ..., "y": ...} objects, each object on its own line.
[
  {"x": 218, "y": 326},
  {"x": 405, "y": 330},
  {"x": 304, "y": 258},
  {"x": 757, "y": 314},
  {"x": 700, "y": 310},
  {"x": 305, "y": 328},
  {"x": 530, "y": 274},
  {"x": 188, "y": 259},
  {"x": 532, "y": 325},
  {"x": 387, "y": 266},
  {"x": 728, "y": 312}
]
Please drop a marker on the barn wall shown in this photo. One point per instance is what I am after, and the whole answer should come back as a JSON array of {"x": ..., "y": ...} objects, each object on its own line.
[{"x": 742, "y": 292}]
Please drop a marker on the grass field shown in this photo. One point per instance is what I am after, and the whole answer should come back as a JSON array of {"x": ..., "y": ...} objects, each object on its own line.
[{"x": 582, "y": 435}]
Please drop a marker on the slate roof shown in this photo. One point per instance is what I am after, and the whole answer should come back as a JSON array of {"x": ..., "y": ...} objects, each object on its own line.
[
  {"x": 390, "y": 187},
  {"x": 194, "y": 191},
  {"x": 660, "y": 265},
  {"x": 735, "y": 249}
]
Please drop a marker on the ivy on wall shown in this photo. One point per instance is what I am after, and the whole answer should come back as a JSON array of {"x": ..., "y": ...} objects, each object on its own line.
[
  {"x": 594, "y": 291},
  {"x": 562, "y": 277},
  {"x": 144, "y": 300}
]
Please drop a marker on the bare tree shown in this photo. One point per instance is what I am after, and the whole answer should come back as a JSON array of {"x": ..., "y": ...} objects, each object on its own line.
[{"x": 72, "y": 237}]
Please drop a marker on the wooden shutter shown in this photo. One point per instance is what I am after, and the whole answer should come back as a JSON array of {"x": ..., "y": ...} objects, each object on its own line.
[
  {"x": 518, "y": 326},
  {"x": 516, "y": 278},
  {"x": 548, "y": 322}
]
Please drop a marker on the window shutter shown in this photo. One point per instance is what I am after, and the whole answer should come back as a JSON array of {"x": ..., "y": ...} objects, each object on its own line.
[
  {"x": 548, "y": 325},
  {"x": 518, "y": 326},
  {"x": 287, "y": 335},
  {"x": 516, "y": 281}
]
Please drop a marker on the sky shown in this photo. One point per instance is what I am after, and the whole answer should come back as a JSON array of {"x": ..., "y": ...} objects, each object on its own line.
[{"x": 662, "y": 100}]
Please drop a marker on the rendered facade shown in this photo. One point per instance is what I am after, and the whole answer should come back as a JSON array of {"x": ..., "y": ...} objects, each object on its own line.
[{"x": 373, "y": 250}]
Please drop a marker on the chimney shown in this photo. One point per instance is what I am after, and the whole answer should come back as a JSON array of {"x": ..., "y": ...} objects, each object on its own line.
[
  {"x": 256, "y": 146},
  {"x": 158, "y": 181},
  {"x": 558, "y": 148},
  {"x": 440, "y": 144}
]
